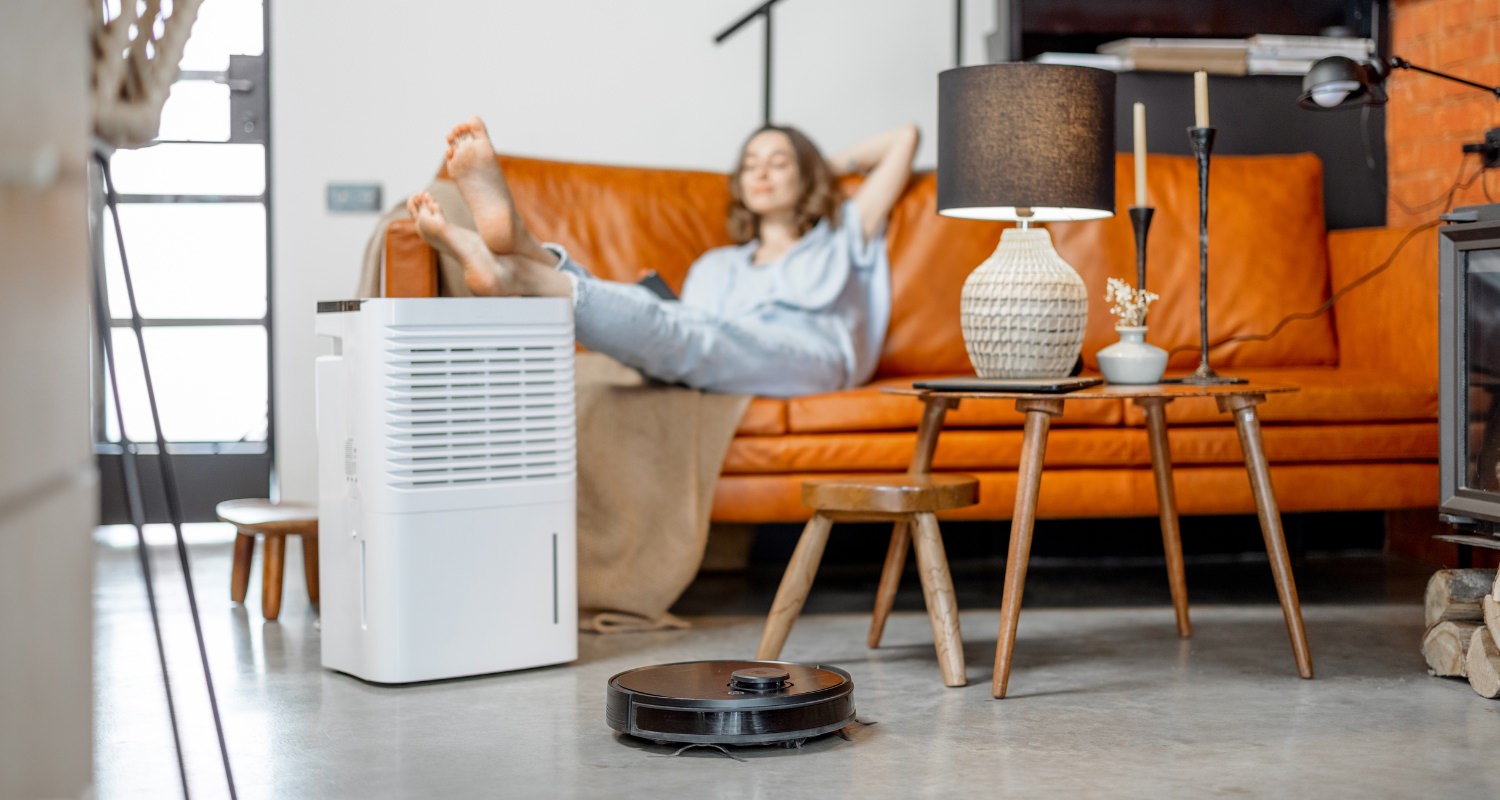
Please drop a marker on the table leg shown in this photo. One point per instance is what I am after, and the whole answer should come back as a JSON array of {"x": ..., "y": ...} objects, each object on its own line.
[
  {"x": 1248, "y": 425},
  {"x": 1039, "y": 414},
  {"x": 1166, "y": 506},
  {"x": 934, "y": 410}
]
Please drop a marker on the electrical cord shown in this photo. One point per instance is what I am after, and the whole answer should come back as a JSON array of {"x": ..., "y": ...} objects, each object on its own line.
[
  {"x": 1445, "y": 200},
  {"x": 1322, "y": 307}
]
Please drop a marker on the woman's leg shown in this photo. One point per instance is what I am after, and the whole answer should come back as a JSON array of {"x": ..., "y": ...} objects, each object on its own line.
[
  {"x": 472, "y": 166},
  {"x": 683, "y": 344},
  {"x": 666, "y": 340},
  {"x": 487, "y": 274}
]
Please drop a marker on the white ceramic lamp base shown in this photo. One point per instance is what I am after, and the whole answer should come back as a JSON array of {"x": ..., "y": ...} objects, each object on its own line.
[{"x": 1024, "y": 310}]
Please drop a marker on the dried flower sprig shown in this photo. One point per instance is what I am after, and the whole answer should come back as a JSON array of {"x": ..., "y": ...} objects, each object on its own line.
[{"x": 1130, "y": 304}]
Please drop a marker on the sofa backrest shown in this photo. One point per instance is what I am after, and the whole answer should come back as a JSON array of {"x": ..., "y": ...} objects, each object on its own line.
[
  {"x": 1267, "y": 251},
  {"x": 1267, "y": 258}
]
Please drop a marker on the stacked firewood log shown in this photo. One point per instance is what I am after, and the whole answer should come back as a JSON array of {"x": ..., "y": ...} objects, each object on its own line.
[{"x": 1463, "y": 627}]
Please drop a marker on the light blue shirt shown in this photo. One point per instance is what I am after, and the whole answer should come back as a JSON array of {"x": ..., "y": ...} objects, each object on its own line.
[{"x": 831, "y": 284}]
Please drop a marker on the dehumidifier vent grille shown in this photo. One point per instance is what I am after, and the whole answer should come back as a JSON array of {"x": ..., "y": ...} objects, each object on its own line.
[{"x": 466, "y": 408}]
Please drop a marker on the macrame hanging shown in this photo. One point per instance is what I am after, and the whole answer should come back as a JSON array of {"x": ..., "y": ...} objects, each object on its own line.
[{"x": 137, "y": 47}]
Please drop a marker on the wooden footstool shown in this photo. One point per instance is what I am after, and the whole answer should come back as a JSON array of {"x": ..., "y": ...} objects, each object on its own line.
[
  {"x": 907, "y": 500},
  {"x": 274, "y": 521}
]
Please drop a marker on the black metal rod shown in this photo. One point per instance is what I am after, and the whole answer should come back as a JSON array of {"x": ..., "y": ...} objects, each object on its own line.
[
  {"x": 135, "y": 504},
  {"x": 762, "y": 10},
  {"x": 1401, "y": 63},
  {"x": 766, "y": 97},
  {"x": 958, "y": 33},
  {"x": 745, "y": 20},
  {"x": 168, "y": 475}
]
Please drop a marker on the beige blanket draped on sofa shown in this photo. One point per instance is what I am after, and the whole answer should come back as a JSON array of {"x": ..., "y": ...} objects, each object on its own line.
[{"x": 648, "y": 458}]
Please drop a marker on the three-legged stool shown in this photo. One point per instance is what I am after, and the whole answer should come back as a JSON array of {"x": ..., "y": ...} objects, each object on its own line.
[
  {"x": 274, "y": 521},
  {"x": 910, "y": 502}
]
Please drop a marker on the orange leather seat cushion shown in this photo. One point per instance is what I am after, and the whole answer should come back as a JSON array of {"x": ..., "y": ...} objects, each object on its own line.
[
  {"x": 981, "y": 450},
  {"x": 1327, "y": 395}
]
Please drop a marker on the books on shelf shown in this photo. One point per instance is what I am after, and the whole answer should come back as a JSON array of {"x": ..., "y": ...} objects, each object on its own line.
[
  {"x": 1294, "y": 55},
  {"x": 1096, "y": 60},
  {"x": 1217, "y": 56},
  {"x": 1309, "y": 47},
  {"x": 1276, "y": 65},
  {"x": 1262, "y": 54}
]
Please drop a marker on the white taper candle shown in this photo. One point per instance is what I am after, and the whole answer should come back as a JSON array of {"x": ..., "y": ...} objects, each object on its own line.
[
  {"x": 1200, "y": 98},
  {"x": 1140, "y": 154}
]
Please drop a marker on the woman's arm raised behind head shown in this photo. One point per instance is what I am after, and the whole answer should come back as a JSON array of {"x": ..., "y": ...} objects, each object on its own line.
[{"x": 886, "y": 158}]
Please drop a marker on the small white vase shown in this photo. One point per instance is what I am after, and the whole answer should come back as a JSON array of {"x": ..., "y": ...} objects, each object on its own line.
[{"x": 1132, "y": 360}]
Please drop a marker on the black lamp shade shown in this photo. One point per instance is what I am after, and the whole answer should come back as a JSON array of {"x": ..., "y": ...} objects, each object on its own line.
[
  {"x": 1023, "y": 135},
  {"x": 1336, "y": 82}
]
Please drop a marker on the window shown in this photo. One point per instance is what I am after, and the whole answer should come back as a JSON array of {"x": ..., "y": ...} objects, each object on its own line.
[{"x": 193, "y": 211}]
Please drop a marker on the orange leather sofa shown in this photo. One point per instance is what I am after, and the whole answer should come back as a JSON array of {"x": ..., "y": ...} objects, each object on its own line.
[{"x": 1361, "y": 434}]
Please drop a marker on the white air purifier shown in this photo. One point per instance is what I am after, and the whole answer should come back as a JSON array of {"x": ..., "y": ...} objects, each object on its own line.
[{"x": 447, "y": 465}]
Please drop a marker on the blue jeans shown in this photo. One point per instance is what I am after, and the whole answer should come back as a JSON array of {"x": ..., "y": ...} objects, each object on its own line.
[{"x": 677, "y": 343}]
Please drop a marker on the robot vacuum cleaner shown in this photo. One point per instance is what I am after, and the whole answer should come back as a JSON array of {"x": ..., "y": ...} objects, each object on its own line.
[{"x": 730, "y": 702}]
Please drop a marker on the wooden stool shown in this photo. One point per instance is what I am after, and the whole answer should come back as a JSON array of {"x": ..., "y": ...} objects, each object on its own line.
[
  {"x": 909, "y": 501},
  {"x": 275, "y": 522}
]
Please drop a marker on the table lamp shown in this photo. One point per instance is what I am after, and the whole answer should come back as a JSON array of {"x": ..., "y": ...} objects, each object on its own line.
[{"x": 1030, "y": 143}]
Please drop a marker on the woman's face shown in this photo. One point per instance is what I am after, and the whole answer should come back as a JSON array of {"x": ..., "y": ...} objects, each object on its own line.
[{"x": 769, "y": 179}]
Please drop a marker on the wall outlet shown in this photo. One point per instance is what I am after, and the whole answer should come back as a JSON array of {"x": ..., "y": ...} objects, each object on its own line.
[{"x": 353, "y": 197}]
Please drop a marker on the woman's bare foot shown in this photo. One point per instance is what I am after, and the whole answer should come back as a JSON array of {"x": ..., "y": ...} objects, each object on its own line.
[
  {"x": 484, "y": 275},
  {"x": 472, "y": 165},
  {"x": 487, "y": 274}
]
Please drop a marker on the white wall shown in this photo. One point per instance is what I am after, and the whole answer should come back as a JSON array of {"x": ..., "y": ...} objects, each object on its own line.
[{"x": 365, "y": 91}]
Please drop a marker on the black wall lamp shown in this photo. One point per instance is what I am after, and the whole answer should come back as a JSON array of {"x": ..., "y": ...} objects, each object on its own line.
[{"x": 1337, "y": 83}]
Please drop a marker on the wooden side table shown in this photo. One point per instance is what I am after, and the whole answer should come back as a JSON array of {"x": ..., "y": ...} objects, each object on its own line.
[
  {"x": 274, "y": 521},
  {"x": 1237, "y": 399}
]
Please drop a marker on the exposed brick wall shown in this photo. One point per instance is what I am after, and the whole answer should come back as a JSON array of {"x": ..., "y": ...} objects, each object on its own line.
[{"x": 1429, "y": 119}]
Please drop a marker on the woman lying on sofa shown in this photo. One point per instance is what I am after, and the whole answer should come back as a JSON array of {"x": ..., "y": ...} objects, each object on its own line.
[{"x": 800, "y": 306}]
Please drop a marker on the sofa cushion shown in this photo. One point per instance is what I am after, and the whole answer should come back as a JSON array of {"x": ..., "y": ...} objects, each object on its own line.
[
  {"x": 1326, "y": 395},
  {"x": 765, "y": 416},
  {"x": 1268, "y": 257},
  {"x": 957, "y": 450},
  {"x": 1079, "y": 448}
]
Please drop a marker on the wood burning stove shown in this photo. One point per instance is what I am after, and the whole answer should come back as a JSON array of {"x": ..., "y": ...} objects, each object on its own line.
[{"x": 1469, "y": 372}]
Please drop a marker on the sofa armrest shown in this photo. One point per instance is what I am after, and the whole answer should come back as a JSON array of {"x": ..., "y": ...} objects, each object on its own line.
[
  {"x": 1389, "y": 322},
  {"x": 410, "y": 264}
]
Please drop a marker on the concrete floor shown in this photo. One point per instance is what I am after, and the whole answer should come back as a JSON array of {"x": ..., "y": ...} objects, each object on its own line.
[{"x": 1105, "y": 700}]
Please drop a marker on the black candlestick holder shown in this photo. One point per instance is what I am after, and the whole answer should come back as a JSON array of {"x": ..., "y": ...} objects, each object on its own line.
[
  {"x": 1140, "y": 221},
  {"x": 1203, "y": 144}
]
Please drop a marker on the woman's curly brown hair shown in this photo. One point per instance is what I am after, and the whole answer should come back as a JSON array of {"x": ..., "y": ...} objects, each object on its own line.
[{"x": 817, "y": 200}]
